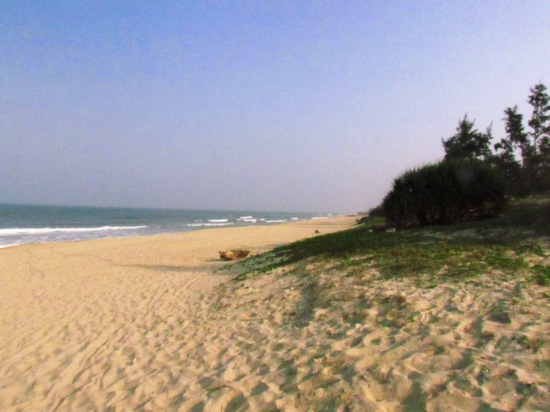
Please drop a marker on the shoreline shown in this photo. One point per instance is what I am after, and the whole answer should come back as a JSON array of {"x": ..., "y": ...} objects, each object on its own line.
[
  {"x": 160, "y": 323},
  {"x": 145, "y": 230},
  {"x": 99, "y": 323}
]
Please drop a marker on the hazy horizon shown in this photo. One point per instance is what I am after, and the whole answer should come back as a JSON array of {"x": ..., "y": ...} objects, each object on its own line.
[
  {"x": 171, "y": 208},
  {"x": 288, "y": 106}
]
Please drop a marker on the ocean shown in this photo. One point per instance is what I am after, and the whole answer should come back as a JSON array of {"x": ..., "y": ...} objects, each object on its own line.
[{"x": 24, "y": 224}]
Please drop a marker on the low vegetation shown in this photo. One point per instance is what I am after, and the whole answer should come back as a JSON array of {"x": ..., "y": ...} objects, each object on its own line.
[{"x": 515, "y": 242}]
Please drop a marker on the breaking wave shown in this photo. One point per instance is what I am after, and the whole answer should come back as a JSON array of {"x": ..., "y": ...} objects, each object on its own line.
[
  {"x": 210, "y": 224},
  {"x": 47, "y": 230}
]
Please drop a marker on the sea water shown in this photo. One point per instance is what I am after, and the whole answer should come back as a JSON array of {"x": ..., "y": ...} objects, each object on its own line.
[{"x": 24, "y": 224}]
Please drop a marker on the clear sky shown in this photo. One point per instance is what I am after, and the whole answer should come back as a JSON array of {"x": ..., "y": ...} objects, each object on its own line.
[{"x": 258, "y": 105}]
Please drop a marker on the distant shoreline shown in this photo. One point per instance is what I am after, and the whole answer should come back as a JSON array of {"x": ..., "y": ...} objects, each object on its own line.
[
  {"x": 198, "y": 229},
  {"x": 28, "y": 224}
]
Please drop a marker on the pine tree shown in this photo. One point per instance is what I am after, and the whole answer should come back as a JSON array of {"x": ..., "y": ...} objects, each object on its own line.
[
  {"x": 540, "y": 133},
  {"x": 540, "y": 119},
  {"x": 516, "y": 137},
  {"x": 505, "y": 160},
  {"x": 468, "y": 142}
]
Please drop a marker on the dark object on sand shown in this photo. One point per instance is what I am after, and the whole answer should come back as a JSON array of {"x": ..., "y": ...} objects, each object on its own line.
[{"x": 234, "y": 254}]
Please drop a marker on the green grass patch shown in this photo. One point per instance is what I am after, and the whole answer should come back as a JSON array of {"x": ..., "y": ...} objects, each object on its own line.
[
  {"x": 408, "y": 253},
  {"x": 455, "y": 251},
  {"x": 542, "y": 274}
]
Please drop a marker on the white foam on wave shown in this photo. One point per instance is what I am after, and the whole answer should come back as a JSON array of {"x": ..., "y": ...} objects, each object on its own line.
[
  {"x": 212, "y": 224},
  {"x": 47, "y": 230},
  {"x": 276, "y": 221},
  {"x": 9, "y": 245},
  {"x": 217, "y": 220},
  {"x": 248, "y": 219}
]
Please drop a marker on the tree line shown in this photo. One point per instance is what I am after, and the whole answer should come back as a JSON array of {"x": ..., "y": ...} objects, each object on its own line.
[
  {"x": 476, "y": 177},
  {"x": 522, "y": 157}
]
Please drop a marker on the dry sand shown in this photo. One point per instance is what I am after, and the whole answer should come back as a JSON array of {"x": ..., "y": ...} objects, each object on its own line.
[{"x": 152, "y": 324}]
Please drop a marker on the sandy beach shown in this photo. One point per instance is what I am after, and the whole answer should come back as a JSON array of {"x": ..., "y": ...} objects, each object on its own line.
[{"x": 159, "y": 323}]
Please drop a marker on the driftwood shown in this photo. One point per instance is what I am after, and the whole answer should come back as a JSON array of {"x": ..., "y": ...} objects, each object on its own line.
[{"x": 234, "y": 254}]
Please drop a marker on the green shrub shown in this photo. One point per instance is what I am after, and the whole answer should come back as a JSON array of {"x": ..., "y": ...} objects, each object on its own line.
[
  {"x": 377, "y": 211},
  {"x": 375, "y": 216},
  {"x": 447, "y": 192}
]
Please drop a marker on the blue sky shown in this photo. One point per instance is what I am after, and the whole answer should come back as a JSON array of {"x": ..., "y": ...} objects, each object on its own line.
[{"x": 288, "y": 106}]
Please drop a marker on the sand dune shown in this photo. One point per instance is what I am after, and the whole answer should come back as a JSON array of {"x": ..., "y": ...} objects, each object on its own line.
[{"x": 154, "y": 324}]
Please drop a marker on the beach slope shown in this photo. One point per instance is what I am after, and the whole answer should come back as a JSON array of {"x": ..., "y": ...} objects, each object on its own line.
[
  {"x": 161, "y": 323},
  {"x": 127, "y": 323}
]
